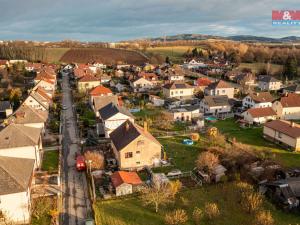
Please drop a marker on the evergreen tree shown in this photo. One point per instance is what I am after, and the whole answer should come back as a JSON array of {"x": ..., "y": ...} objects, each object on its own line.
[{"x": 290, "y": 68}]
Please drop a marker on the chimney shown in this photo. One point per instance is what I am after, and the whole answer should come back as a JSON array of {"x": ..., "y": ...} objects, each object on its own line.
[
  {"x": 145, "y": 126},
  {"x": 126, "y": 126},
  {"x": 292, "y": 124}
]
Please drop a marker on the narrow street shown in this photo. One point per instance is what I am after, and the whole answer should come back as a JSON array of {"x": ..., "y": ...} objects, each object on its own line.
[{"x": 76, "y": 203}]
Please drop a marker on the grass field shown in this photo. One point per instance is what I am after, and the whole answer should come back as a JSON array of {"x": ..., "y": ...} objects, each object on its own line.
[
  {"x": 175, "y": 53},
  {"x": 254, "y": 137},
  {"x": 50, "y": 161},
  {"x": 131, "y": 211},
  {"x": 55, "y": 54},
  {"x": 256, "y": 67}
]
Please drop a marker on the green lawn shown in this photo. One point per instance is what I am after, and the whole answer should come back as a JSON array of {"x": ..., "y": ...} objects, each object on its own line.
[
  {"x": 183, "y": 156},
  {"x": 254, "y": 137},
  {"x": 131, "y": 211},
  {"x": 50, "y": 161}
]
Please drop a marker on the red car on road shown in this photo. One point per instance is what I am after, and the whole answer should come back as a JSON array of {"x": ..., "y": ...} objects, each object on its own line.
[{"x": 80, "y": 163}]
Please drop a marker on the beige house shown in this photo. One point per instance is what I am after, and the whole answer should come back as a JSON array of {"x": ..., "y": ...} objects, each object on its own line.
[
  {"x": 283, "y": 132},
  {"x": 141, "y": 85},
  {"x": 186, "y": 113},
  {"x": 178, "y": 90},
  {"x": 259, "y": 115},
  {"x": 20, "y": 141},
  {"x": 288, "y": 107},
  {"x": 219, "y": 88},
  {"x": 88, "y": 82},
  {"x": 134, "y": 147},
  {"x": 16, "y": 178}
]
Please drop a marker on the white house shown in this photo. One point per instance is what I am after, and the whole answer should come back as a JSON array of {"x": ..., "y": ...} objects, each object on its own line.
[
  {"x": 193, "y": 64},
  {"x": 156, "y": 100},
  {"x": 141, "y": 84},
  {"x": 178, "y": 90},
  {"x": 258, "y": 100},
  {"x": 259, "y": 115},
  {"x": 46, "y": 84},
  {"x": 112, "y": 116},
  {"x": 16, "y": 178},
  {"x": 288, "y": 107},
  {"x": 176, "y": 77},
  {"x": 186, "y": 113},
  {"x": 269, "y": 83},
  {"x": 36, "y": 101},
  {"x": 219, "y": 88},
  {"x": 21, "y": 141},
  {"x": 215, "y": 105},
  {"x": 101, "y": 101}
]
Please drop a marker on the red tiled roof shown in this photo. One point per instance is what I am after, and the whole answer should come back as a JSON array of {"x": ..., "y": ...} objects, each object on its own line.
[
  {"x": 292, "y": 100},
  {"x": 121, "y": 177},
  {"x": 148, "y": 76},
  {"x": 47, "y": 80},
  {"x": 203, "y": 82},
  {"x": 285, "y": 127},
  {"x": 88, "y": 78},
  {"x": 79, "y": 72},
  {"x": 261, "y": 112},
  {"x": 3, "y": 62},
  {"x": 46, "y": 75},
  {"x": 43, "y": 93},
  {"x": 100, "y": 90}
]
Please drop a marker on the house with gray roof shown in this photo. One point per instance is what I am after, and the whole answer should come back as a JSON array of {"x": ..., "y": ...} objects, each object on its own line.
[
  {"x": 15, "y": 183},
  {"x": 5, "y": 109},
  {"x": 216, "y": 106},
  {"x": 101, "y": 101},
  {"x": 112, "y": 116},
  {"x": 269, "y": 83},
  {"x": 17, "y": 140}
]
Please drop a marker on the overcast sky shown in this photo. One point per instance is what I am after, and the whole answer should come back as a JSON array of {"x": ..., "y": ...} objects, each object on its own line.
[{"x": 114, "y": 20}]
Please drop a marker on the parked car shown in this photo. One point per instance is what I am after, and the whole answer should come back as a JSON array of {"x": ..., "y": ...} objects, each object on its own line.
[{"x": 80, "y": 163}]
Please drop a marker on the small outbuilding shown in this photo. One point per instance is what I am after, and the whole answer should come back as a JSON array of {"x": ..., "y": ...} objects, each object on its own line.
[{"x": 125, "y": 182}]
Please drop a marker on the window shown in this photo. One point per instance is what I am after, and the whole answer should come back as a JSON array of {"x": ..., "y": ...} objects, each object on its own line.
[
  {"x": 223, "y": 91},
  {"x": 128, "y": 155},
  {"x": 138, "y": 163},
  {"x": 181, "y": 92},
  {"x": 141, "y": 142},
  {"x": 138, "y": 152},
  {"x": 279, "y": 135}
]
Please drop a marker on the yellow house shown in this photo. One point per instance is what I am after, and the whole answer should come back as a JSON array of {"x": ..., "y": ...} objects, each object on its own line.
[
  {"x": 134, "y": 147},
  {"x": 88, "y": 82},
  {"x": 283, "y": 132}
]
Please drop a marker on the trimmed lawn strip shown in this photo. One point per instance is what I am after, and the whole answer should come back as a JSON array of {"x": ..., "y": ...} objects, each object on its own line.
[{"x": 50, "y": 161}]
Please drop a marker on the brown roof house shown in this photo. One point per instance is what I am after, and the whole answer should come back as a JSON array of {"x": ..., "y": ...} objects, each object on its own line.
[
  {"x": 101, "y": 101},
  {"x": 15, "y": 186},
  {"x": 125, "y": 182},
  {"x": 88, "y": 82},
  {"x": 134, "y": 147},
  {"x": 283, "y": 132},
  {"x": 259, "y": 115},
  {"x": 29, "y": 117},
  {"x": 288, "y": 107},
  {"x": 219, "y": 88},
  {"x": 20, "y": 141},
  {"x": 258, "y": 100},
  {"x": 179, "y": 90},
  {"x": 216, "y": 106}
]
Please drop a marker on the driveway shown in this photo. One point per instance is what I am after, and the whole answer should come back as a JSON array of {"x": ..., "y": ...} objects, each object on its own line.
[{"x": 76, "y": 204}]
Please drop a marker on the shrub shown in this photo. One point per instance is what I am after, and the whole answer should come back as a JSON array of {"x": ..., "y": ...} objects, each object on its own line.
[
  {"x": 207, "y": 161},
  {"x": 185, "y": 201},
  {"x": 97, "y": 159},
  {"x": 178, "y": 216},
  {"x": 212, "y": 210},
  {"x": 197, "y": 215},
  {"x": 251, "y": 201},
  {"x": 264, "y": 218}
]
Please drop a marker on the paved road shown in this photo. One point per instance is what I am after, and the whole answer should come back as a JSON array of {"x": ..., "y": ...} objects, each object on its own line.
[{"x": 75, "y": 197}]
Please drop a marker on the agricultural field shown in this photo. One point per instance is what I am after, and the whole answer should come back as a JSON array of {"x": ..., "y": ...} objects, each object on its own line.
[
  {"x": 55, "y": 54},
  {"x": 175, "y": 53},
  {"x": 256, "y": 67},
  {"x": 104, "y": 55}
]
